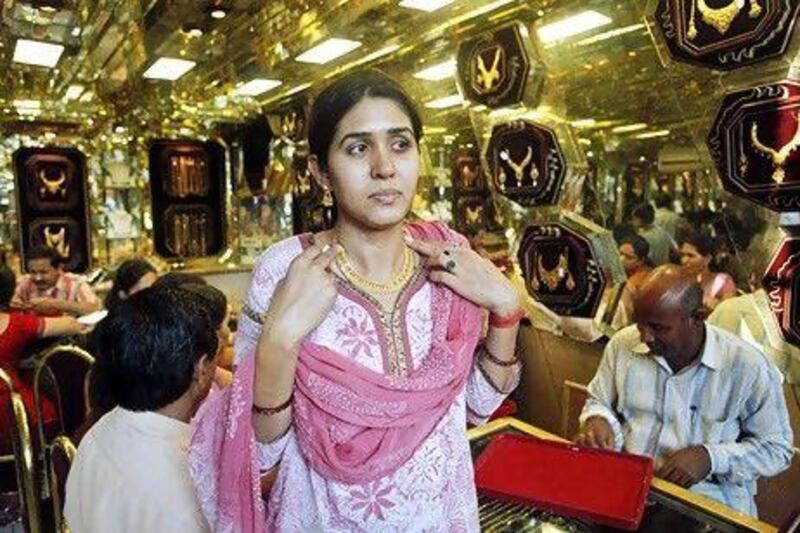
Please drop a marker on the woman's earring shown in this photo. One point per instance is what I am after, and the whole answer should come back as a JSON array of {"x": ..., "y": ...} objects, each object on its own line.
[{"x": 327, "y": 197}]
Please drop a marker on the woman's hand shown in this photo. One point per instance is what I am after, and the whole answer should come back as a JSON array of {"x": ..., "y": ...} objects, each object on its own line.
[
  {"x": 468, "y": 274},
  {"x": 303, "y": 298}
]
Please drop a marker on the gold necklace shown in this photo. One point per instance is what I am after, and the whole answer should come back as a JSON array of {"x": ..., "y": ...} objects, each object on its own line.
[
  {"x": 720, "y": 18},
  {"x": 398, "y": 281}
]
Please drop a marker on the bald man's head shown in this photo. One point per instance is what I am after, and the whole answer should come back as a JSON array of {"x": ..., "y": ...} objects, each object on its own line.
[
  {"x": 667, "y": 310},
  {"x": 671, "y": 287}
]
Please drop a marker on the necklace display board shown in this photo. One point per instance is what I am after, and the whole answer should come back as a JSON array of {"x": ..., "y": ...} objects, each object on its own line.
[
  {"x": 526, "y": 163},
  {"x": 755, "y": 144},
  {"x": 499, "y": 69},
  {"x": 568, "y": 264},
  {"x": 51, "y": 195},
  {"x": 312, "y": 208},
  {"x": 187, "y": 194},
  {"x": 726, "y": 34},
  {"x": 471, "y": 198}
]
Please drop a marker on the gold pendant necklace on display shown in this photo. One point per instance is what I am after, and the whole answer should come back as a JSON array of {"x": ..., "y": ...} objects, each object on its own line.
[
  {"x": 398, "y": 281},
  {"x": 720, "y": 18}
]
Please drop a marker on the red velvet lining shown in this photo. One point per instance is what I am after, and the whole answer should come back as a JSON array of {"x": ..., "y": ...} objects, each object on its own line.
[{"x": 604, "y": 487}]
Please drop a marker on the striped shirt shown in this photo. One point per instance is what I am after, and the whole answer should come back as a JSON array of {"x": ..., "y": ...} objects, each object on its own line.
[
  {"x": 69, "y": 287},
  {"x": 730, "y": 401}
]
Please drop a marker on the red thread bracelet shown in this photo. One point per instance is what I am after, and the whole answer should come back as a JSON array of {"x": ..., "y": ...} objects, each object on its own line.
[{"x": 508, "y": 321}]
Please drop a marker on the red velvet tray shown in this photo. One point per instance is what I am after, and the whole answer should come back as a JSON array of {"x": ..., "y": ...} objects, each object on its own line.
[{"x": 604, "y": 487}]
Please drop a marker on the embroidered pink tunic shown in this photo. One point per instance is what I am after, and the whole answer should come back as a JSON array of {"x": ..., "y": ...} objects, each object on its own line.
[{"x": 434, "y": 490}]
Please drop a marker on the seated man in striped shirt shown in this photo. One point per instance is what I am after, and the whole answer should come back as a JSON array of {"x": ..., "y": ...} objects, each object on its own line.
[
  {"x": 705, "y": 404},
  {"x": 48, "y": 290}
]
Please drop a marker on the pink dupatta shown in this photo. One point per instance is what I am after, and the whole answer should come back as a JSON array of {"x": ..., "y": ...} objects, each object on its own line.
[{"x": 353, "y": 425}]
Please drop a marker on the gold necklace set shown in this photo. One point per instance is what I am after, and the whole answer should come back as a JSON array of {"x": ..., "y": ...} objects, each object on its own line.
[
  {"x": 398, "y": 281},
  {"x": 719, "y": 18}
]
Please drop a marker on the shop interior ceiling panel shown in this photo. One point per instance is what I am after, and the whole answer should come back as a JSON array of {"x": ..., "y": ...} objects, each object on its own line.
[
  {"x": 111, "y": 42},
  {"x": 568, "y": 263},
  {"x": 755, "y": 143},
  {"x": 729, "y": 34}
]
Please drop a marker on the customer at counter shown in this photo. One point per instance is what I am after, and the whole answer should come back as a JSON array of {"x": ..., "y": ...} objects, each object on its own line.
[
  {"x": 48, "y": 290},
  {"x": 706, "y": 405},
  {"x": 643, "y": 218},
  {"x": 697, "y": 257}
]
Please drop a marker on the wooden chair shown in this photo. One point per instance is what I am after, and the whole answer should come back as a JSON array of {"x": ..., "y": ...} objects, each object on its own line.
[
  {"x": 62, "y": 371},
  {"x": 775, "y": 492},
  {"x": 573, "y": 397},
  {"x": 25, "y": 465},
  {"x": 62, "y": 453}
]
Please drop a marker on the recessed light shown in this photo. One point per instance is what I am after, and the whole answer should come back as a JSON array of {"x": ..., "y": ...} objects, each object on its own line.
[
  {"x": 440, "y": 71},
  {"x": 37, "y": 53},
  {"x": 425, "y": 5},
  {"x": 74, "y": 91},
  {"x": 627, "y": 128},
  {"x": 256, "y": 87},
  {"x": 571, "y": 26},
  {"x": 218, "y": 13},
  {"x": 652, "y": 134},
  {"x": 168, "y": 68},
  {"x": 447, "y": 101},
  {"x": 328, "y": 51},
  {"x": 193, "y": 31},
  {"x": 76, "y": 31}
]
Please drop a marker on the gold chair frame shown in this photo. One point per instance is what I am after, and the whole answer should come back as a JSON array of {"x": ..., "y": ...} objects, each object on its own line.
[
  {"x": 41, "y": 367},
  {"x": 5, "y": 380},
  {"x": 25, "y": 465},
  {"x": 66, "y": 446}
]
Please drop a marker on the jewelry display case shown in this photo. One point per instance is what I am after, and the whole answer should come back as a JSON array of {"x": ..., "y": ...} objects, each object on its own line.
[
  {"x": 53, "y": 204},
  {"x": 188, "y": 198}
]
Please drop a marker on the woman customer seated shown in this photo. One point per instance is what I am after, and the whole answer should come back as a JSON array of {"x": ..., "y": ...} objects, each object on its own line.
[
  {"x": 131, "y": 277},
  {"x": 17, "y": 331},
  {"x": 697, "y": 254}
]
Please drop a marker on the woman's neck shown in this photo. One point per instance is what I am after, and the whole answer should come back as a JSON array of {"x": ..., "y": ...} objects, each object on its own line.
[{"x": 378, "y": 254}]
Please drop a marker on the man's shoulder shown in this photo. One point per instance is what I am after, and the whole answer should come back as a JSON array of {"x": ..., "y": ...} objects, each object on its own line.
[
  {"x": 735, "y": 351},
  {"x": 74, "y": 278},
  {"x": 625, "y": 339}
]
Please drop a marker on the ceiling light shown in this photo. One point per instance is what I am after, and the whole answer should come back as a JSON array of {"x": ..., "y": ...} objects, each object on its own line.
[
  {"x": 440, "y": 71},
  {"x": 328, "y": 51},
  {"x": 425, "y": 5},
  {"x": 193, "y": 31},
  {"x": 76, "y": 31},
  {"x": 218, "y": 13},
  {"x": 652, "y": 134},
  {"x": 447, "y": 101},
  {"x": 168, "y": 68},
  {"x": 37, "y": 53},
  {"x": 570, "y": 26},
  {"x": 583, "y": 123},
  {"x": 610, "y": 34},
  {"x": 629, "y": 128},
  {"x": 47, "y": 9},
  {"x": 27, "y": 104},
  {"x": 433, "y": 130},
  {"x": 74, "y": 92},
  {"x": 256, "y": 87}
]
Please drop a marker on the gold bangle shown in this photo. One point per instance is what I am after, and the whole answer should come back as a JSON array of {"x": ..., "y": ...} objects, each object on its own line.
[
  {"x": 486, "y": 354},
  {"x": 269, "y": 411}
]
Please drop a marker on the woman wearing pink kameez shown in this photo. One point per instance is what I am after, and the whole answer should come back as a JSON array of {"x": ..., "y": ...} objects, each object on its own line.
[{"x": 359, "y": 361}]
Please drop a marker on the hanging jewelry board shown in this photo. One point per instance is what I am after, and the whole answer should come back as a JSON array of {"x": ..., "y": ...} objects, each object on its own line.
[
  {"x": 187, "y": 184},
  {"x": 51, "y": 195}
]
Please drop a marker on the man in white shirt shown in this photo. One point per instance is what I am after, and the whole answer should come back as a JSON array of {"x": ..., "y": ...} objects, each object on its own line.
[
  {"x": 705, "y": 404},
  {"x": 156, "y": 351}
]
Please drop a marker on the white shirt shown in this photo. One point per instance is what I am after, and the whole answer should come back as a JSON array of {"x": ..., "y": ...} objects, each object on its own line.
[
  {"x": 131, "y": 475},
  {"x": 730, "y": 401}
]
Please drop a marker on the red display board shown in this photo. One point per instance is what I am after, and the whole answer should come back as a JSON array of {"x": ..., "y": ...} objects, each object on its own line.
[
  {"x": 755, "y": 144},
  {"x": 605, "y": 487},
  {"x": 782, "y": 283}
]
